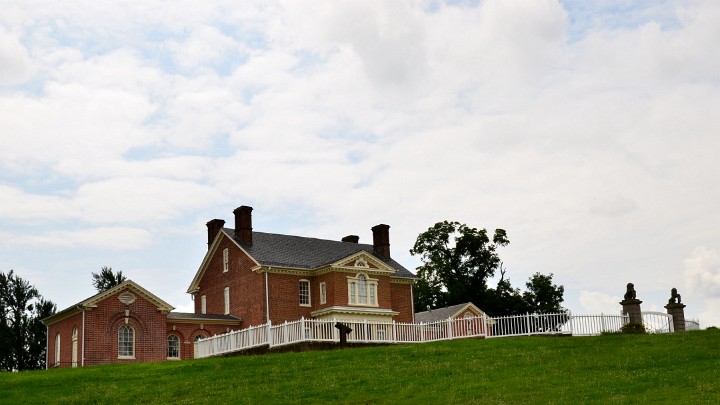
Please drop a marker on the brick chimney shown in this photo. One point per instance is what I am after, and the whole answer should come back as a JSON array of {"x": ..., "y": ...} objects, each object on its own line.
[
  {"x": 214, "y": 226},
  {"x": 381, "y": 240},
  {"x": 243, "y": 224},
  {"x": 351, "y": 239}
]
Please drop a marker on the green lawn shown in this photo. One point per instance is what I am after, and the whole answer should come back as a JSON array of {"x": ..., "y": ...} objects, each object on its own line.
[{"x": 679, "y": 368}]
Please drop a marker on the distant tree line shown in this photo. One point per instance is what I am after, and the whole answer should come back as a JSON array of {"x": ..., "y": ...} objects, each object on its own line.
[{"x": 459, "y": 260}]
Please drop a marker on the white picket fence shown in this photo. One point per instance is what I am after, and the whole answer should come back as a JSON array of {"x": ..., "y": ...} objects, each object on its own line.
[{"x": 324, "y": 330}]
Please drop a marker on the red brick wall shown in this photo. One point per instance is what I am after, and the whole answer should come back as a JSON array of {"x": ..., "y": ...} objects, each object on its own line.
[
  {"x": 247, "y": 288},
  {"x": 188, "y": 332},
  {"x": 285, "y": 297},
  {"x": 402, "y": 301},
  {"x": 65, "y": 328},
  {"x": 103, "y": 323}
]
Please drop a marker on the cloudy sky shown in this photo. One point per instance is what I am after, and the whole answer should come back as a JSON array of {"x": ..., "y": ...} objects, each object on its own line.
[{"x": 587, "y": 130}]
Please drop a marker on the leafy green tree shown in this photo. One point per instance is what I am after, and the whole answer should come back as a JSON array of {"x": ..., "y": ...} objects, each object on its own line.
[
  {"x": 107, "y": 279},
  {"x": 504, "y": 299},
  {"x": 457, "y": 262},
  {"x": 22, "y": 335},
  {"x": 542, "y": 296}
]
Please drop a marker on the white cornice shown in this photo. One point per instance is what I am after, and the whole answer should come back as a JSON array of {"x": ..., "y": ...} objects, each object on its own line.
[{"x": 354, "y": 310}]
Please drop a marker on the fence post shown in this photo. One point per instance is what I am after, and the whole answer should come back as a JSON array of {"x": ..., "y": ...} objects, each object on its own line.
[
  {"x": 394, "y": 329},
  {"x": 269, "y": 333},
  {"x": 302, "y": 329},
  {"x": 602, "y": 322},
  {"x": 572, "y": 332},
  {"x": 527, "y": 322},
  {"x": 449, "y": 328}
]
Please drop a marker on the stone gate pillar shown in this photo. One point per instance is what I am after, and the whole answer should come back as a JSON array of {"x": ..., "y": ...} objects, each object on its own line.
[
  {"x": 676, "y": 309},
  {"x": 631, "y": 305}
]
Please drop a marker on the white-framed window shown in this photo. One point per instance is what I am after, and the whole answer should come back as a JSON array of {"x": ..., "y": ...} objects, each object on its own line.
[
  {"x": 173, "y": 347},
  {"x": 323, "y": 293},
  {"x": 304, "y": 289},
  {"x": 203, "y": 305},
  {"x": 57, "y": 349},
  {"x": 226, "y": 260},
  {"x": 126, "y": 342},
  {"x": 352, "y": 292},
  {"x": 74, "y": 358},
  {"x": 362, "y": 290},
  {"x": 227, "y": 300}
]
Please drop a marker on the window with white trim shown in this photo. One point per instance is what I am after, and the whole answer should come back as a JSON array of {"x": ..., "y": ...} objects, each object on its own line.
[
  {"x": 304, "y": 289},
  {"x": 203, "y": 304},
  {"x": 362, "y": 290},
  {"x": 227, "y": 300},
  {"x": 323, "y": 293},
  {"x": 226, "y": 260},
  {"x": 74, "y": 357},
  {"x": 352, "y": 292},
  {"x": 126, "y": 342},
  {"x": 57, "y": 349},
  {"x": 173, "y": 347}
]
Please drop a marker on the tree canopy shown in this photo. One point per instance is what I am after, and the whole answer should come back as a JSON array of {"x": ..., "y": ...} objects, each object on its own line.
[
  {"x": 22, "y": 334},
  {"x": 459, "y": 260},
  {"x": 107, "y": 279}
]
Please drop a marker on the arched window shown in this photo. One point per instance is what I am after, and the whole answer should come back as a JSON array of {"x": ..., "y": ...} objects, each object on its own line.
[
  {"x": 126, "y": 342},
  {"x": 57, "y": 350},
  {"x": 362, "y": 290},
  {"x": 173, "y": 347},
  {"x": 198, "y": 337},
  {"x": 75, "y": 347}
]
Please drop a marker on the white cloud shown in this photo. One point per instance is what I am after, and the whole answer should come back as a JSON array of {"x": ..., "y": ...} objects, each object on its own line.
[
  {"x": 596, "y": 302},
  {"x": 103, "y": 238},
  {"x": 15, "y": 64},
  {"x": 589, "y": 137},
  {"x": 702, "y": 273}
]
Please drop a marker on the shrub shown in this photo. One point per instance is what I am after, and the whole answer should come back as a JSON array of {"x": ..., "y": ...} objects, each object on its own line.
[{"x": 633, "y": 328}]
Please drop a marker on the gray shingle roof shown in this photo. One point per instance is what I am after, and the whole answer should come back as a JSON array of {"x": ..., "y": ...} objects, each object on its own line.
[
  {"x": 438, "y": 314},
  {"x": 272, "y": 249}
]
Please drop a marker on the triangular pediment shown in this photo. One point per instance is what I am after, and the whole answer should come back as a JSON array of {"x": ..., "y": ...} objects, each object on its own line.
[
  {"x": 363, "y": 261},
  {"x": 130, "y": 289}
]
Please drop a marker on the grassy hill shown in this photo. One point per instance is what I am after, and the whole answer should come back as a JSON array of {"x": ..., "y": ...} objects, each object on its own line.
[{"x": 680, "y": 368}]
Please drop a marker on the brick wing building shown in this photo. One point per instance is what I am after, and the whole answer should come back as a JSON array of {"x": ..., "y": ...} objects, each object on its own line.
[{"x": 246, "y": 278}]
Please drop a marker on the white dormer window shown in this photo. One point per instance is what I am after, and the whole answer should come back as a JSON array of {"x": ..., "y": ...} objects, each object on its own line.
[
  {"x": 361, "y": 263},
  {"x": 362, "y": 290}
]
